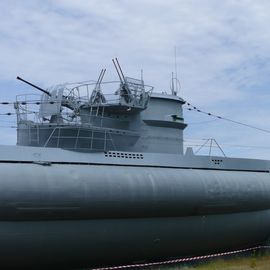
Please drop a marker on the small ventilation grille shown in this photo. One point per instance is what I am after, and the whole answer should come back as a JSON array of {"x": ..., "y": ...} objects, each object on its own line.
[
  {"x": 217, "y": 161},
  {"x": 123, "y": 155}
]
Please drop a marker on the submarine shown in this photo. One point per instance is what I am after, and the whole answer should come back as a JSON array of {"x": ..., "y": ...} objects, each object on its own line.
[{"x": 101, "y": 179}]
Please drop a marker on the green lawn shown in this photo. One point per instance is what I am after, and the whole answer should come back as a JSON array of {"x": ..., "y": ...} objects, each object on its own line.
[{"x": 253, "y": 262}]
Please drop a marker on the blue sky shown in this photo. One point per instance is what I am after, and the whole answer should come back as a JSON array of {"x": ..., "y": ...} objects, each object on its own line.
[{"x": 223, "y": 56}]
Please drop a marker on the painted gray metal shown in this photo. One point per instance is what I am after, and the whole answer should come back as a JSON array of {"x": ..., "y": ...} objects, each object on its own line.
[
  {"x": 75, "y": 244},
  {"x": 157, "y": 128},
  {"x": 63, "y": 191},
  {"x": 117, "y": 188},
  {"x": 71, "y": 208},
  {"x": 56, "y": 155}
]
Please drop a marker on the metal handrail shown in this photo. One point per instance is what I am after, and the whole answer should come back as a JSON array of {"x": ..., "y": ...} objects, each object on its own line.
[{"x": 59, "y": 137}]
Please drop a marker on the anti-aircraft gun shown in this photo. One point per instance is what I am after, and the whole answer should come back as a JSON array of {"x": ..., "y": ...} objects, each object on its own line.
[
  {"x": 132, "y": 91},
  {"x": 52, "y": 102}
]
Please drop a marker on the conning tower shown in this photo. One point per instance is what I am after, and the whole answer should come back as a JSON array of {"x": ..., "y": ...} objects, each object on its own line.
[
  {"x": 84, "y": 118},
  {"x": 162, "y": 125}
]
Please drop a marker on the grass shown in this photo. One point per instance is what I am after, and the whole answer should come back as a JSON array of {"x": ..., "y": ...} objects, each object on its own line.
[{"x": 252, "y": 262}]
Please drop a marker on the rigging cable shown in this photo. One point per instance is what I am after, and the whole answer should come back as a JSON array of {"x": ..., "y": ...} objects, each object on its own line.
[
  {"x": 190, "y": 108},
  {"x": 194, "y": 108}
]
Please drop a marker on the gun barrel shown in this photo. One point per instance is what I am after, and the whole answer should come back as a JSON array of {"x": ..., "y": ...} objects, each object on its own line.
[{"x": 42, "y": 90}]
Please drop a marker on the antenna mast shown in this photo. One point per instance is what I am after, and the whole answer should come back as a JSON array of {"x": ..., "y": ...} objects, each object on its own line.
[
  {"x": 175, "y": 68},
  {"x": 172, "y": 86},
  {"x": 175, "y": 86}
]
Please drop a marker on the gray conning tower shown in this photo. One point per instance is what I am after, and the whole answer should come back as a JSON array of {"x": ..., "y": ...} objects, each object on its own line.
[{"x": 84, "y": 118}]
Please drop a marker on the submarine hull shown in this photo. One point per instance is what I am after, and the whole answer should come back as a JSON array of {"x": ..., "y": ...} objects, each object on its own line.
[
  {"x": 104, "y": 242},
  {"x": 66, "y": 215}
]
